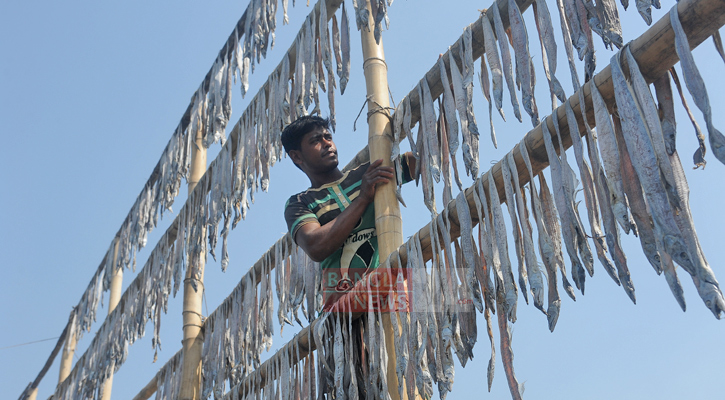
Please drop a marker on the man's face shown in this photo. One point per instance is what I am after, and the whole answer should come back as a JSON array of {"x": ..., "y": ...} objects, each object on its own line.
[{"x": 317, "y": 153}]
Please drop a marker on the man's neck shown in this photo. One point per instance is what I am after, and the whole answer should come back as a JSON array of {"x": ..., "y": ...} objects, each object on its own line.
[{"x": 317, "y": 180}]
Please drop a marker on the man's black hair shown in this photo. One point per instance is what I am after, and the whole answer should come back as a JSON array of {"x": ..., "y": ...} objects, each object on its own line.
[{"x": 293, "y": 133}]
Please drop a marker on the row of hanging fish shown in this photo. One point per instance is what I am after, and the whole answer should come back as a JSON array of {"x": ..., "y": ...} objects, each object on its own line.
[
  {"x": 168, "y": 380},
  {"x": 144, "y": 299},
  {"x": 235, "y": 177}
]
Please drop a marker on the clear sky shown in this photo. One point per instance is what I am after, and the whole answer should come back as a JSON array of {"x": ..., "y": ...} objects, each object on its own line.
[{"x": 92, "y": 92}]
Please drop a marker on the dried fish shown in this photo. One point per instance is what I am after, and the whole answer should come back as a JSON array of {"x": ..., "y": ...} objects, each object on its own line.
[
  {"x": 573, "y": 20},
  {"x": 523, "y": 59},
  {"x": 611, "y": 28},
  {"x": 696, "y": 86},
  {"x": 336, "y": 46},
  {"x": 345, "y": 44},
  {"x": 511, "y": 206},
  {"x": 459, "y": 92},
  {"x": 506, "y": 60},
  {"x": 450, "y": 108},
  {"x": 640, "y": 214},
  {"x": 610, "y": 157},
  {"x": 464, "y": 220},
  {"x": 445, "y": 155},
  {"x": 507, "y": 355},
  {"x": 532, "y": 267},
  {"x": 699, "y": 156},
  {"x": 588, "y": 183},
  {"x": 645, "y": 164},
  {"x": 548, "y": 49},
  {"x": 486, "y": 89},
  {"x": 511, "y": 292},
  {"x": 649, "y": 110},
  {"x": 494, "y": 62},
  {"x": 645, "y": 10},
  {"x": 428, "y": 118},
  {"x": 564, "y": 203},
  {"x": 717, "y": 40}
]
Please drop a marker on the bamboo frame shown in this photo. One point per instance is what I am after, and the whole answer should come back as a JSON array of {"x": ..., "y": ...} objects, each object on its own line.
[{"x": 653, "y": 52}]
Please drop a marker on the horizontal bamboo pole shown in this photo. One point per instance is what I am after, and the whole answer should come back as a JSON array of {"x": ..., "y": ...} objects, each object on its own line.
[{"x": 654, "y": 54}]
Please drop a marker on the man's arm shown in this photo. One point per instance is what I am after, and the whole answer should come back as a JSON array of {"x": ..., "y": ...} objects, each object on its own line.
[{"x": 320, "y": 241}]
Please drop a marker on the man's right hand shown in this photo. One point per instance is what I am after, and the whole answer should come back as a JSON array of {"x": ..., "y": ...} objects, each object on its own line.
[{"x": 376, "y": 174}]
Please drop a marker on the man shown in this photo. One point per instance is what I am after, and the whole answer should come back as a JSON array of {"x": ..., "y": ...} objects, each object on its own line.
[{"x": 334, "y": 220}]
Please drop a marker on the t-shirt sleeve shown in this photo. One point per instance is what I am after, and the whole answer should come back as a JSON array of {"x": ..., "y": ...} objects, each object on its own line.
[{"x": 296, "y": 214}]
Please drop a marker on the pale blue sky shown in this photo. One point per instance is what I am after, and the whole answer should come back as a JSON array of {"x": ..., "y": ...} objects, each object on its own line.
[{"x": 92, "y": 93}]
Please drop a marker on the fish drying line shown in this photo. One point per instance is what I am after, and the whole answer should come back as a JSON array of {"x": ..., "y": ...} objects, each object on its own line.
[{"x": 162, "y": 175}]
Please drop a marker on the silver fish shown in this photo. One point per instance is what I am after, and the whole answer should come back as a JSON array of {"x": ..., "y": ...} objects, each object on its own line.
[
  {"x": 459, "y": 93},
  {"x": 645, "y": 10},
  {"x": 610, "y": 157},
  {"x": 699, "y": 156},
  {"x": 523, "y": 59},
  {"x": 486, "y": 89},
  {"x": 649, "y": 110},
  {"x": 345, "y": 46},
  {"x": 445, "y": 155},
  {"x": 645, "y": 164},
  {"x": 548, "y": 49},
  {"x": 428, "y": 118},
  {"x": 573, "y": 21},
  {"x": 450, "y": 108},
  {"x": 336, "y": 49},
  {"x": 511, "y": 207},
  {"x": 561, "y": 177},
  {"x": 494, "y": 62},
  {"x": 499, "y": 227},
  {"x": 588, "y": 183},
  {"x": 464, "y": 220},
  {"x": 696, "y": 86},
  {"x": 568, "y": 37},
  {"x": 532, "y": 266},
  {"x": 506, "y": 60},
  {"x": 717, "y": 40}
]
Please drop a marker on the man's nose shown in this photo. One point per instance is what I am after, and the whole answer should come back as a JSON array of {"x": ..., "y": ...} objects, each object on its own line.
[{"x": 327, "y": 143}]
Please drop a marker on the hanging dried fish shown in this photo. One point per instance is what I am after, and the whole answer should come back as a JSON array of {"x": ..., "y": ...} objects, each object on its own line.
[
  {"x": 486, "y": 89},
  {"x": 645, "y": 164},
  {"x": 532, "y": 267},
  {"x": 548, "y": 49},
  {"x": 523, "y": 59},
  {"x": 506, "y": 60},
  {"x": 610, "y": 157},
  {"x": 464, "y": 220},
  {"x": 449, "y": 104},
  {"x": 459, "y": 92},
  {"x": 589, "y": 184},
  {"x": 494, "y": 62},
  {"x": 510, "y": 205},
  {"x": 507, "y": 355},
  {"x": 510, "y": 290},
  {"x": 717, "y": 40},
  {"x": 361, "y": 15},
  {"x": 445, "y": 156},
  {"x": 428, "y": 118},
  {"x": 707, "y": 285},
  {"x": 645, "y": 10},
  {"x": 565, "y": 204},
  {"x": 345, "y": 44},
  {"x": 699, "y": 156},
  {"x": 696, "y": 86}
]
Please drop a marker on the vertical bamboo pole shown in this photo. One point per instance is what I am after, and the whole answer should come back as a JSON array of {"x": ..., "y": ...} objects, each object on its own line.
[
  {"x": 113, "y": 299},
  {"x": 193, "y": 339},
  {"x": 69, "y": 349},
  {"x": 388, "y": 223}
]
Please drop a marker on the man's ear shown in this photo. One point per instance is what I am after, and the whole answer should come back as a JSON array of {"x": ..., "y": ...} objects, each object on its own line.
[{"x": 296, "y": 157}]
